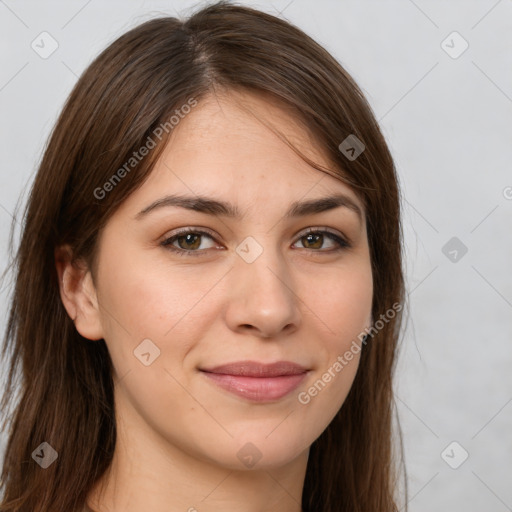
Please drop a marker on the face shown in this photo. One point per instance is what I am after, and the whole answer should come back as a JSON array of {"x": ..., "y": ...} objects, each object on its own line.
[{"x": 260, "y": 286}]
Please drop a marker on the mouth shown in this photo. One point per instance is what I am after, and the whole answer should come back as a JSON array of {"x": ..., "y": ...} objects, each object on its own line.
[{"x": 258, "y": 382}]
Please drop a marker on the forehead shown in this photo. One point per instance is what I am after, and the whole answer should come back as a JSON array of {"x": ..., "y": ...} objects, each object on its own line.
[
  {"x": 233, "y": 146},
  {"x": 240, "y": 122}
]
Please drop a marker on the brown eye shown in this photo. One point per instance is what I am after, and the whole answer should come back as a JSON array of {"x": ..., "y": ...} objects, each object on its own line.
[
  {"x": 186, "y": 242},
  {"x": 315, "y": 239},
  {"x": 190, "y": 241}
]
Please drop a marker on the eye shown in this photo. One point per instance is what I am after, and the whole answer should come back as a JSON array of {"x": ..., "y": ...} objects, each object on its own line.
[
  {"x": 314, "y": 239},
  {"x": 189, "y": 241}
]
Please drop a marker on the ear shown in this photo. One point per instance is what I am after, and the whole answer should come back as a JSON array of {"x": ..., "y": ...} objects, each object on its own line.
[{"x": 78, "y": 294}]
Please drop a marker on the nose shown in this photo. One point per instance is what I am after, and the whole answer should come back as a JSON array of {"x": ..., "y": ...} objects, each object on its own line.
[{"x": 262, "y": 298}]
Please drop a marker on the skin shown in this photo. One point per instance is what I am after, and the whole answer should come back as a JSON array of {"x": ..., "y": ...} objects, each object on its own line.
[{"x": 178, "y": 433}]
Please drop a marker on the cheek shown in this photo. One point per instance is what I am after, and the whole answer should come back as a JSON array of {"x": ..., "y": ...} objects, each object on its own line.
[
  {"x": 147, "y": 295},
  {"x": 165, "y": 305},
  {"x": 341, "y": 303},
  {"x": 171, "y": 305},
  {"x": 344, "y": 312}
]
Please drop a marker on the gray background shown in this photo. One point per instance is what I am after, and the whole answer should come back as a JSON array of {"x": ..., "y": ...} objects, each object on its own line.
[{"x": 448, "y": 123}]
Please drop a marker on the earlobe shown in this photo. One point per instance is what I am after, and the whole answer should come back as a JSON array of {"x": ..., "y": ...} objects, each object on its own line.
[{"x": 78, "y": 294}]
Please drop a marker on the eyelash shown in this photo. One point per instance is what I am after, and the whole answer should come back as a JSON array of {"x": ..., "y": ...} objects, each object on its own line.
[{"x": 167, "y": 243}]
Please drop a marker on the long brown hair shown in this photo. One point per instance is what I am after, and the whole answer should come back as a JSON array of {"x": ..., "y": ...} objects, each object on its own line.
[{"x": 62, "y": 382}]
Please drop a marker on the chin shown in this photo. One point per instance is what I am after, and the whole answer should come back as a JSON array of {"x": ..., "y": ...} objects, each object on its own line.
[{"x": 260, "y": 450}]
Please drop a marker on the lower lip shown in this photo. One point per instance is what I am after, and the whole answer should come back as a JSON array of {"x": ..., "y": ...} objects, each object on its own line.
[{"x": 258, "y": 389}]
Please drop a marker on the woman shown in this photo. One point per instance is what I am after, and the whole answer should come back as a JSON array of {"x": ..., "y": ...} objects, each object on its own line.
[{"x": 209, "y": 283}]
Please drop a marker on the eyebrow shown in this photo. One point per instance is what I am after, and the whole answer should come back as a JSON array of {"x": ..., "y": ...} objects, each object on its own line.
[{"x": 215, "y": 207}]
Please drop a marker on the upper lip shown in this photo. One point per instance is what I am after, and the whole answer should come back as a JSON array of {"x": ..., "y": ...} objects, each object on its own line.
[{"x": 255, "y": 369}]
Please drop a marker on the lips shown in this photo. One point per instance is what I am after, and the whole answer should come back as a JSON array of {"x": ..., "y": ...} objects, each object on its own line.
[
  {"x": 255, "y": 369},
  {"x": 258, "y": 382}
]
